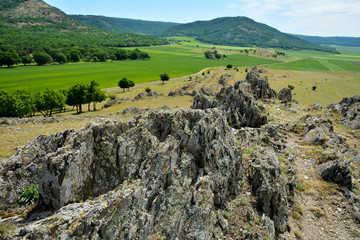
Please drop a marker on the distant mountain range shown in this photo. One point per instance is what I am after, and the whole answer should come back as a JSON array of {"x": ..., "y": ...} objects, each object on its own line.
[
  {"x": 341, "y": 41},
  {"x": 33, "y": 24},
  {"x": 236, "y": 31}
]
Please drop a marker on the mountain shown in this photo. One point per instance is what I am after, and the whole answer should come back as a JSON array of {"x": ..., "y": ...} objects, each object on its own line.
[
  {"x": 341, "y": 41},
  {"x": 241, "y": 31},
  {"x": 29, "y": 25},
  {"x": 121, "y": 25}
]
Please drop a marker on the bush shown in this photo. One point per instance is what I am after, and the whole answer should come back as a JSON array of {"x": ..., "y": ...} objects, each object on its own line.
[
  {"x": 164, "y": 77},
  {"x": 314, "y": 88},
  {"x": 29, "y": 195},
  {"x": 147, "y": 90},
  {"x": 229, "y": 66},
  {"x": 291, "y": 87},
  {"x": 112, "y": 96}
]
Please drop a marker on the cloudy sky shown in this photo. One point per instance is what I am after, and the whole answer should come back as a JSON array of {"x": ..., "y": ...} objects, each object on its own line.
[{"x": 307, "y": 17}]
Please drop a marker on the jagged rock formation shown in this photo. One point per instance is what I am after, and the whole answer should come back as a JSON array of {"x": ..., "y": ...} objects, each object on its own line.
[
  {"x": 167, "y": 174},
  {"x": 349, "y": 108},
  {"x": 285, "y": 95},
  {"x": 238, "y": 103},
  {"x": 259, "y": 85}
]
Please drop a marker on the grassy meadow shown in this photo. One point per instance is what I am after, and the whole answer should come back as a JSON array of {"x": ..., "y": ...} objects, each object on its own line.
[{"x": 175, "y": 60}]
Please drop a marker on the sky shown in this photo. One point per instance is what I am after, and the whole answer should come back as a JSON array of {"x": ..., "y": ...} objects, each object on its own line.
[{"x": 306, "y": 17}]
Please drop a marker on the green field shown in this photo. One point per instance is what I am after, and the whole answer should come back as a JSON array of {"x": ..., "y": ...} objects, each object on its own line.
[{"x": 174, "y": 60}]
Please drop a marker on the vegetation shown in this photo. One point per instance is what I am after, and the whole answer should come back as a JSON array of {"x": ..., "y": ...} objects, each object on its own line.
[
  {"x": 125, "y": 25},
  {"x": 226, "y": 31},
  {"x": 147, "y": 90},
  {"x": 22, "y": 103},
  {"x": 341, "y": 41},
  {"x": 126, "y": 83},
  {"x": 164, "y": 77},
  {"x": 29, "y": 195}
]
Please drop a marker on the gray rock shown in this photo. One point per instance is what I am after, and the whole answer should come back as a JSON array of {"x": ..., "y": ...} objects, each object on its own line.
[
  {"x": 316, "y": 106},
  {"x": 224, "y": 79},
  {"x": 270, "y": 187},
  {"x": 269, "y": 225},
  {"x": 133, "y": 174},
  {"x": 354, "y": 202},
  {"x": 285, "y": 95},
  {"x": 338, "y": 172},
  {"x": 316, "y": 136},
  {"x": 260, "y": 86},
  {"x": 112, "y": 103}
]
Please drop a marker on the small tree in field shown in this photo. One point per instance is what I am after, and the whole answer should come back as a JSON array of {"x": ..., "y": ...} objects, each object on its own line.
[
  {"x": 124, "y": 83},
  {"x": 164, "y": 77},
  {"x": 147, "y": 90}
]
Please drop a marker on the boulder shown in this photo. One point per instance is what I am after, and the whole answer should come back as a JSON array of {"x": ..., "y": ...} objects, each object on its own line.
[
  {"x": 316, "y": 136},
  {"x": 285, "y": 95},
  {"x": 224, "y": 79},
  {"x": 338, "y": 172}
]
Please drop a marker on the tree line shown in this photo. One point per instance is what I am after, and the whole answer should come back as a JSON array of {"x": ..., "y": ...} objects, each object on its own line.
[
  {"x": 75, "y": 54},
  {"x": 26, "y": 104}
]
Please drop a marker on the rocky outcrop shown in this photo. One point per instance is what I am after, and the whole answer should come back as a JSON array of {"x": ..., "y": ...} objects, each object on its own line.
[
  {"x": 143, "y": 167},
  {"x": 112, "y": 103},
  {"x": 21, "y": 170},
  {"x": 285, "y": 95},
  {"x": 151, "y": 94},
  {"x": 271, "y": 187},
  {"x": 316, "y": 107},
  {"x": 259, "y": 85},
  {"x": 349, "y": 108},
  {"x": 238, "y": 103},
  {"x": 224, "y": 79},
  {"x": 338, "y": 172}
]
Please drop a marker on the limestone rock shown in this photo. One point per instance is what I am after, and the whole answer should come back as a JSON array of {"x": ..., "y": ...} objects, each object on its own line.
[
  {"x": 316, "y": 135},
  {"x": 260, "y": 86},
  {"x": 285, "y": 95},
  {"x": 338, "y": 172},
  {"x": 133, "y": 174},
  {"x": 270, "y": 186}
]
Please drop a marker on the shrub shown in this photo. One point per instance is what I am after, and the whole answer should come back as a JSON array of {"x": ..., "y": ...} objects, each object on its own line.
[
  {"x": 29, "y": 195},
  {"x": 291, "y": 87},
  {"x": 229, "y": 66},
  {"x": 314, "y": 88},
  {"x": 147, "y": 90},
  {"x": 112, "y": 96}
]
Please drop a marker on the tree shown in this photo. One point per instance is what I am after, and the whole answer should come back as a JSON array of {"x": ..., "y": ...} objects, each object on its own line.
[
  {"x": 10, "y": 58},
  {"x": 121, "y": 54},
  {"x": 41, "y": 58},
  {"x": 49, "y": 100},
  {"x": 164, "y": 77},
  {"x": 124, "y": 83},
  {"x": 76, "y": 96},
  {"x": 131, "y": 84},
  {"x": 144, "y": 55},
  {"x": 26, "y": 60},
  {"x": 134, "y": 54},
  {"x": 60, "y": 58},
  {"x": 75, "y": 55},
  {"x": 99, "y": 96}
]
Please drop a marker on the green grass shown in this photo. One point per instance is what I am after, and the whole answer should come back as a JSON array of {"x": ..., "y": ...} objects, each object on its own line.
[{"x": 174, "y": 60}]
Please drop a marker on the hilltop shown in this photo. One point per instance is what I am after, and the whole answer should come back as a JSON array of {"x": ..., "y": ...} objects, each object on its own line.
[
  {"x": 241, "y": 31},
  {"x": 28, "y": 25},
  {"x": 122, "y": 25},
  {"x": 341, "y": 41}
]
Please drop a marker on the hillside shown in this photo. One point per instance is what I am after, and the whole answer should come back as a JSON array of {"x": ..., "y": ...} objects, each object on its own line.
[
  {"x": 241, "y": 31},
  {"x": 122, "y": 25},
  {"x": 341, "y": 41},
  {"x": 28, "y": 25}
]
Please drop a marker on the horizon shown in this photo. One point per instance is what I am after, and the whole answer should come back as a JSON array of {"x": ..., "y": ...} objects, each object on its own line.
[{"x": 329, "y": 18}]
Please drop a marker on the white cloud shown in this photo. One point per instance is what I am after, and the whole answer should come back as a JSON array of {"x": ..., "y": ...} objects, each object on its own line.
[{"x": 326, "y": 17}]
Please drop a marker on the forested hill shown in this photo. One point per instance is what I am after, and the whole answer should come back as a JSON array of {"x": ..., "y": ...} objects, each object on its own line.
[
  {"x": 30, "y": 25},
  {"x": 241, "y": 31},
  {"x": 122, "y": 25},
  {"x": 341, "y": 41}
]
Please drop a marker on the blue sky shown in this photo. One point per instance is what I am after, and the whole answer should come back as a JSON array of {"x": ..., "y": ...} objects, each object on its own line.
[{"x": 308, "y": 17}]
